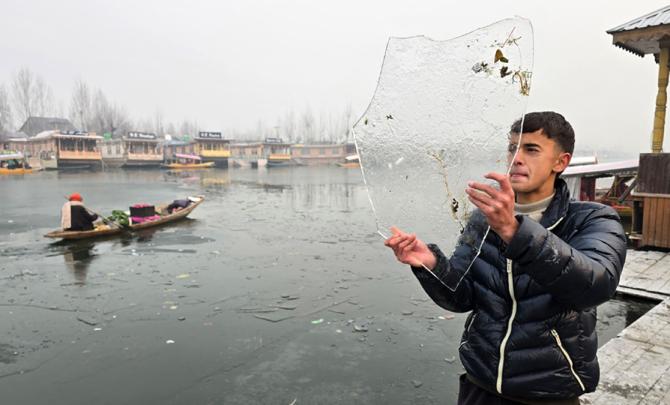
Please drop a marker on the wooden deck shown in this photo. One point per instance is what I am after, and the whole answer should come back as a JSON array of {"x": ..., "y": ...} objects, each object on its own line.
[{"x": 635, "y": 366}]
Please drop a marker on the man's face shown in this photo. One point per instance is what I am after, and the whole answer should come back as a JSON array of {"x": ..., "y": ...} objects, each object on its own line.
[{"x": 537, "y": 160}]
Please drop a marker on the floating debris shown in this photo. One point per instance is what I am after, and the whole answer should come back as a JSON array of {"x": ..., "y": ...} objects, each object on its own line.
[
  {"x": 450, "y": 359},
  {"x": 256, "y": 310},
  {"x": 317, "y": 321},
  {"x": 407, "y": 313},
  {"x": 87, "y": 320},
  {"x": 417, "y": 383},
  {"x": 169, "y": 341},
  {"x": 181, "y": 318},
  {"x": 360, "y": 328},
  {"x": 182, "y": 276}
]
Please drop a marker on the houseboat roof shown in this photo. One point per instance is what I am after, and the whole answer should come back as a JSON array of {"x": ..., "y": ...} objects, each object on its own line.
[
  {"x": 66, "y": 135},
  {"x": 603, "y": 169},
  {"x": 36, "y": 125},
  {"x": 11, "y": 156},
  {"x": 245, "y": 144},
  {"x": 643, "y": 35},
  {"x": 316, "y": 145},
  {"x": 175, "y": 142}
]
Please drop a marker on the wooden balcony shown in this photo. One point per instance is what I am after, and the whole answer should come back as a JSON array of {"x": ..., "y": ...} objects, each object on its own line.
[
  {"x": 215, "y": 153},
  {"x": 79, "y": 155}
]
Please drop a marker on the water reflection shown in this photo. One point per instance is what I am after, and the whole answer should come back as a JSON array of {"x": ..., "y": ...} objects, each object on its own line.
[{"x": 78, "y": 258}]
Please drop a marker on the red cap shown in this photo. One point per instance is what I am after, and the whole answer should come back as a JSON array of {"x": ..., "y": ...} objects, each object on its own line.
[{"x": 75, "y": 197}]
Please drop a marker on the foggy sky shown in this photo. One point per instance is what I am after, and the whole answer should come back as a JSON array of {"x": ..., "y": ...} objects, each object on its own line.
[{"x": 228, "y": 64}]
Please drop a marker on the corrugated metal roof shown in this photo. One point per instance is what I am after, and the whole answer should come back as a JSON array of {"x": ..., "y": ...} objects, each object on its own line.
[
  {"x": 655, "y": 18},
  {"x": 602, "y": 168}
]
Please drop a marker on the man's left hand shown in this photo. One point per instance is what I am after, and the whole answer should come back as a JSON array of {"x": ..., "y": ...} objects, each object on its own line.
[{"x": 496, "y": 205}]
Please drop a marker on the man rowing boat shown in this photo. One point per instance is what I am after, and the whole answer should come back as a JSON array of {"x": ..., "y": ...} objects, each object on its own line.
[{"x": 75, "y": 217}]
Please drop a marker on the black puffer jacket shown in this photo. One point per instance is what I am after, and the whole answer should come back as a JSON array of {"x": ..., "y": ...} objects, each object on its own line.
[{"x": 531, "y": 333}]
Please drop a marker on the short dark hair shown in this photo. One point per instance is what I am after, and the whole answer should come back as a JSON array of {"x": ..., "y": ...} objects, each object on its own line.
[{"x": 552, "y": 124}]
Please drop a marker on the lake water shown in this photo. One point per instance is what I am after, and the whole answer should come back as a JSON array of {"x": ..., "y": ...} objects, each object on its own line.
[{"x": 277, "y": 289}]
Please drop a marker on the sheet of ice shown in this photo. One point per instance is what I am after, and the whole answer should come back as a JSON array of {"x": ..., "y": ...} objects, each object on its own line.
[{"x": 440, "y": 116}]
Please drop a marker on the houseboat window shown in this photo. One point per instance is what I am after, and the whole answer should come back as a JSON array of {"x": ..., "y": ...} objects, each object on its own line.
[
  {"x": 322, "y": 151},
  {"x": 90, "y": 146},
  {"x": 109, "y": 148},
  {"x": 118, "y": 148}
]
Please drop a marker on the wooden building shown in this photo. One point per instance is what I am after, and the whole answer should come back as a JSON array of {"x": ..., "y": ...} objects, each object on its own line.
[
  {"x": 135, "y": 149},
  {"x": 212, "y": 147},
  {"x": 318, "y": 154},
  {"x": 63, "y": 149},
  {"x": 650, "y": 35},
  {"x": 247, "y": 154},
  {"x": 277, "y": 152}
]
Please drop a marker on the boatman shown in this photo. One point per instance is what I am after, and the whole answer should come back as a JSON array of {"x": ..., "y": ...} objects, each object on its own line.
[
  {"x": 74, "y": 216},
  {"x": 546, "y": 265}
]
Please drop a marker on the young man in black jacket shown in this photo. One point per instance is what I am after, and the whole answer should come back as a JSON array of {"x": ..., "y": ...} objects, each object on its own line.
[{"x": 534, "y": 286}]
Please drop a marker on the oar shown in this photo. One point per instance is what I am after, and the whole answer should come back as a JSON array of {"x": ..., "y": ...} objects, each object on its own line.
[{"x": 105, "y": 220}]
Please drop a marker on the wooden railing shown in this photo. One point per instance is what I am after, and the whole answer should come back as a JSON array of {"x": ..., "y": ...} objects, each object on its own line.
[{"x": 79, "y": 155}]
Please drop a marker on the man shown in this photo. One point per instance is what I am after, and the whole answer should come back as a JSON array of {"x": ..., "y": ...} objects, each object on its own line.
[
  {"x": 74, "y": 216},
  {"x": 534, "y": 286}
]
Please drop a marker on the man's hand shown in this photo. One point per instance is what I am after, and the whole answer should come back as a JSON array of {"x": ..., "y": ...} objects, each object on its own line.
[
  {"x": 496, "y": 205},
  {"x": 410, "y": 250}
]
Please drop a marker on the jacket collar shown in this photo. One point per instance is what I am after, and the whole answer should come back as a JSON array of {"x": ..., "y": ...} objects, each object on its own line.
[{"x": 558, "y": 207}]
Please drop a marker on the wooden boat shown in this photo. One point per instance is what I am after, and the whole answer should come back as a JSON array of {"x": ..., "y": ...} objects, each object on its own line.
[
  {"x": 94, "y": 233},
  {"x": 188, "y": 165},
  {"x": 13, "y": 163},
  {"x": 160, "y": 210},
  {"x": 350, "y": 162},
  {"x": 167, "y": 218},
  {"x": 182, "y": 161}
]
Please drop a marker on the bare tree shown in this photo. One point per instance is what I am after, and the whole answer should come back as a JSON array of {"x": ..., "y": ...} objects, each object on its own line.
[
  {"x": 189, "y": 128},
  {"x": 108, "y": 117},
  {"x": 5, "y": 110},
  {"x": 43, "y": 97},
  {"x": 159, "y": 126},
  {"x": 288, "y": 126},
  {"x": 22, "y": 85},
  {"x": 80, "y": 105},
  {"x": 307, "y": 122},
  {"x": 31, "y": 95}
]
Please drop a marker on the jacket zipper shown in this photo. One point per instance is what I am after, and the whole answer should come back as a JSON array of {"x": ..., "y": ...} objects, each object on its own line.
[
  {"x": 501, "y": 363},
  {"x": 503, "y": 344},
  {"x": 567, "y": 357},
  {"x": 467, "y": 330}
]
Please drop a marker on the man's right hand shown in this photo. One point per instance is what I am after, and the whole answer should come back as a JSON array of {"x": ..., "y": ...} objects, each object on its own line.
[{"x": 410, "y": 250}]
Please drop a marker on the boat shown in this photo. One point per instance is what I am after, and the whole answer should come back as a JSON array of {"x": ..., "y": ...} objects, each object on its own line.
[
  {"x": 108, "y": 230},
  {"x": 165, "y": 218},
  {"x": 94, "y": 233},
  {"x": 14, "y": 163},
  {"x": 183, "y": 161},
  {"x": 351, "y": 162}
]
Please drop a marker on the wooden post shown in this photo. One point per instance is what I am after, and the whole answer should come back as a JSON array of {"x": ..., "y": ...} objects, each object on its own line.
[{"x": 661, "y": 100}]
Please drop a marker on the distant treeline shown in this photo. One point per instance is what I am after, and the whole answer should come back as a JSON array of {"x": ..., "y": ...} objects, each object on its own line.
[{"x": 28, "y": 94}]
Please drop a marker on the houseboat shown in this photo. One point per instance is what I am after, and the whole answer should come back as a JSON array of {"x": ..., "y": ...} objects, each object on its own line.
[
  {"x": 277, "y": 152},
  {"x": 247, "y": 155},
  {"x": 351, "y": 158},
  {"x": 317, "y": 154},
  {"x": 213, "y": 148},
  {"x": 65, "y": 149},
  {"x": 136, "y": 149}
]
